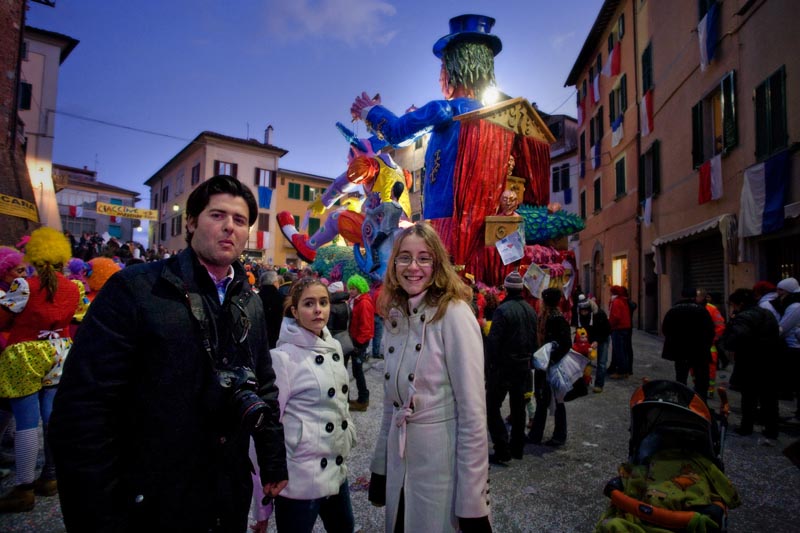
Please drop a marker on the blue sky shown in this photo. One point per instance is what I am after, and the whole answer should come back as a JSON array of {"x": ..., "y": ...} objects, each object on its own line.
[{"x": 175, "y": 68}]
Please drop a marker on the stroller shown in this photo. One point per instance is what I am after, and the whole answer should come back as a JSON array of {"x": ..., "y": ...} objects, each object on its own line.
[{"x": 673, "y": 480}]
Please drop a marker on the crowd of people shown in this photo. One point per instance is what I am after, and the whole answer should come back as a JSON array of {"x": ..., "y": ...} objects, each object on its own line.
[{"x": 199, "y": 388}]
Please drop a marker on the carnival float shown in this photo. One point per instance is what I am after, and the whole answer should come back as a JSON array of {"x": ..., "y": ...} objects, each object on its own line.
[{"x": 486, "y": 183}]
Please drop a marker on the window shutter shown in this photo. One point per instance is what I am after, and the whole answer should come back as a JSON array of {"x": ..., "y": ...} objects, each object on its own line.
[
  {"x": 623, "y": 94},
  {"x": 234, "y": 169},
  {"x": 647, "y": 68},
  {"x": 730, "y": 133},
  {"x": 621, "y": 27},
  {"x": 556, "y": 181},
  {"x": 697, "y": 135},
  {"x": 25, "y": 95},
  {"x": 600, "y": 125},
  {"x": 273, "y": 179},
  {"x": 656, "y": 148},
  {"x": 591, "y": 134},
  {"x": 565, "y": 176},
  {"x": 610, "y": 42},
  {"x": 255, "y": 178},
  {"x": 642, "y": 177},
  {"x": 611, "y": 107},
  {"x": 216, "y": 167}
]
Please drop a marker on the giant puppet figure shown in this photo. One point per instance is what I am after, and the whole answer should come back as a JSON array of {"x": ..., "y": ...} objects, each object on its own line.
[
  {"x": 467, "y": 55},
  {"x": 383, "y": 181}
]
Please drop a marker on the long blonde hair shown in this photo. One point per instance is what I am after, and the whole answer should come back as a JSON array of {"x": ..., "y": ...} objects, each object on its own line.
[{"x": 445, "y": 285}]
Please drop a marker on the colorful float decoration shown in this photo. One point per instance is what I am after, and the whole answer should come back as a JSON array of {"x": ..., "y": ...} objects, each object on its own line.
[{"x": 487, "y": 173}]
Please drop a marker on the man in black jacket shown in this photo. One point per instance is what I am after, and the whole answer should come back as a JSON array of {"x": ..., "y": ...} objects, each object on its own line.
[
  {"x": 688, "y": 335},
  {"x": 509, "y": 348},
  {"x": 595, "y": 321},
  {"x": 272, "y": 301},
  {"x": 151, "y": 423}
]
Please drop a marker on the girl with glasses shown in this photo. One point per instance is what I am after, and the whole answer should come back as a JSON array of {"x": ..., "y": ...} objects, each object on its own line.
[{"x": 430, "y": 465}]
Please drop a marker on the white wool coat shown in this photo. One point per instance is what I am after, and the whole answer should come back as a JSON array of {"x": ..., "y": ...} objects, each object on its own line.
[
  {"x": 444, "y": 469},
  {"x": 312, "y": 383}
]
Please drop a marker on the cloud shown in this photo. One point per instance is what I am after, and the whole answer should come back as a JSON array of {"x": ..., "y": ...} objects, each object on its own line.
[
  {"x": 353, "y": 22},
  {"x": 558, "y": 41}
]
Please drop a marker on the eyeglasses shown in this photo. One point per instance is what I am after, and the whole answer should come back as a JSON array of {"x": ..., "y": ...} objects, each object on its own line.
[{"x": 406, "y": 260}]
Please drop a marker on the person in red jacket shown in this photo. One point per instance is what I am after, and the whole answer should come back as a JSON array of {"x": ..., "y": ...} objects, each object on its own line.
[
  {"x": 619, "y": 317},
  {"x": 362, "y": 329}
]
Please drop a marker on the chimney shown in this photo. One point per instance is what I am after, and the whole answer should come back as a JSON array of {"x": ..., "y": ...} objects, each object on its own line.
[{"x": 268, "y": 134}]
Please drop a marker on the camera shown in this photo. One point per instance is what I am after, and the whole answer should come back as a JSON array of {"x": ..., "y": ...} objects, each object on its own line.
[{"x": 241, "y": 383}]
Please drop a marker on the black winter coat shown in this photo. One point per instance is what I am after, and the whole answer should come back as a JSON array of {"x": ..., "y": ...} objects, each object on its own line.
[
  {"x": 599, "y": 329},
  {"x": 512, "y": 338},
  {"x": 753, "y": 336},
  {"x": 688, "y": 333},
  {"x": 272, "y": 301},
  {"x": 144, "y": 436},
  {"x": 339, "y": 319}
]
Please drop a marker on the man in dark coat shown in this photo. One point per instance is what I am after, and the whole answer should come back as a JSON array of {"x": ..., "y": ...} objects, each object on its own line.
[
  {"x": 145, "y": 431},
  {"x": 752, "y": 340},
  {"x": 509, "y": 348},
  {"x": 688, "y": 335},
  {"x": 272, "y": 301}
]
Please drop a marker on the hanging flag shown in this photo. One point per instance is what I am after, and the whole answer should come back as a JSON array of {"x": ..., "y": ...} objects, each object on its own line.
[
  {"x": 262, "y": 240},
  {"x": 264, "y": 197},
  {"x": 596, "y": 155},
  {"x": 568, "y": 196},
  {"x": 596, "y": 87},
  {"x": 76, "y": 211},
  {"x": 764, "y": 191},
  {"x": 648, "y": 212},
  {"x": 580, "y": 112},
  {"x": 113, "y": 219},
  {"x": 716, "y": 177},
  {"x": 612, "y": 66},
  {"x": 708, "y": 35},
  {"x": 646, "y": 113},
  {"x": 704, "y": 190},
  {"x": 617, "y": 132}
]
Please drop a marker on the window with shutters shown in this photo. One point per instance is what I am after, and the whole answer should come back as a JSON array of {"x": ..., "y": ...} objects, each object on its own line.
[
  {"x": 313, "y": 225},
  {"x": 310, "y": 193},
  {"x": 294, "y": 191},
  {"x": 565, "y": 176},
  {"x": 263, "y": 222},
  {"x": 556, "y": 177},
  {"x": 714, "y": 129},
  {"x": 599, "y": 66},
  {"x": 163, "y": 232},
  {"x": 619, "y": 172},
  {"x": 177, "y": 225},
  {"x": 153, "y": 203},
  {"x": 224, "y": 167},
  {"x": 195, "y": 174},
  {"x": 165, "y": 194},
  {"x": 25, "y": 95},
  {"x": 647, "y": 68},
  {"x": 650, "y": 172},
  {"x": 621, "y": 26},
  {"x": 598, "y": 200},
  {"x": 583, "y": 204},
  {"x": 261, "y": 178},
  {"x": 618, "y": 99},
  {"x": 583, "y": 153},
  {"x": 770, "y": 108}
]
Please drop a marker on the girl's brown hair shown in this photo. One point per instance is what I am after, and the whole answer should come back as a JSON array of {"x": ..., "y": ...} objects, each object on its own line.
[
  {"x": 293, "y": 300},
  {"x": 445, "y": 285}
]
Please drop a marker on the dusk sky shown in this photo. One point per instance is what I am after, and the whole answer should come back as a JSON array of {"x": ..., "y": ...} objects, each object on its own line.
[{"x": 148, "y": 76}]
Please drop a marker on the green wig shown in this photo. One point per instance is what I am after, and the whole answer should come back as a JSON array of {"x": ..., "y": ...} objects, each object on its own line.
[
  {"x": 469, "y": 65},
  {"x": 358, "y": 282}
]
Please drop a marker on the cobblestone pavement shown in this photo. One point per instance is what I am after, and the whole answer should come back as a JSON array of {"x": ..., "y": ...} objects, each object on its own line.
[{"x": 560, "y": 490}]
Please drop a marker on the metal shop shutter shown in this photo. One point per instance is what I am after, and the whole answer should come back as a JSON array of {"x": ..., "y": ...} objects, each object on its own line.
[{"x": 704, "y": 266}]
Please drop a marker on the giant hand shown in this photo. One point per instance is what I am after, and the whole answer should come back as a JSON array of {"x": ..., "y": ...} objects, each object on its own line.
[
  {"x": 316, "y": 207},
  {"x": 362, "y": 102}
]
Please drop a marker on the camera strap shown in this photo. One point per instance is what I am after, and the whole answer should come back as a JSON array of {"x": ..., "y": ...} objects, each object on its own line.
[{"x": 198, "y": 311}]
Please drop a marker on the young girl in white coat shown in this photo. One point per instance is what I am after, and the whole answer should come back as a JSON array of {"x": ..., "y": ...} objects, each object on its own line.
[
  {"x": 319, "y": 433},
  {"x": 430, "y": 466}
]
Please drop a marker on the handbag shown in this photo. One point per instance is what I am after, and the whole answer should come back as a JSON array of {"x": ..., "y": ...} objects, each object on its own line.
[
  {"x": 344, "y": 339},
  {"x": 541, "y": 357},
  {"x": 563, "y": 375}
]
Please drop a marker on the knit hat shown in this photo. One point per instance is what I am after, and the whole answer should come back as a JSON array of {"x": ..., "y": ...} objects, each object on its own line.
[
  {"x": 789, "y": 285},
  {"x": 513, "y": 281},
  {"x": 583, "y": 302},
  {"x": 336, "y": 286}
]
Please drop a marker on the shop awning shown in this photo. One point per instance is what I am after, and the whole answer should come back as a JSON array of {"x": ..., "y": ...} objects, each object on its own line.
[{"x": 691, "y": 230}]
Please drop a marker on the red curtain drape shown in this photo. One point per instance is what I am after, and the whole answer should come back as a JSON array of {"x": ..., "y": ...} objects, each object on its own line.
[
  {"x": 532, "y": 162},
  {"x": 478, "y": 181}
]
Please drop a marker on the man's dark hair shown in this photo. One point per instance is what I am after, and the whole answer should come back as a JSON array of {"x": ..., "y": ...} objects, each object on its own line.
[
  {"x": 220, "y": 184},
  {"x": 744, "y": 297}
]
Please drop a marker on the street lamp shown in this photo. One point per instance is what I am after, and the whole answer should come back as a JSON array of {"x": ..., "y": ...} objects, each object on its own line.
[{"x": 176, "y": 208}]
